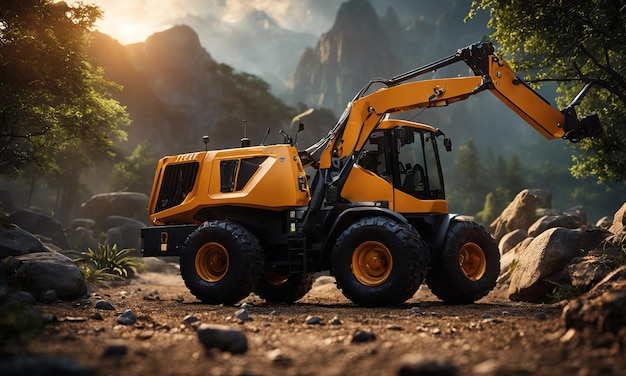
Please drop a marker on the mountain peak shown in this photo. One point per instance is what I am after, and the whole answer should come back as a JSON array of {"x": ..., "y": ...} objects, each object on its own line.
[{"x": 355, "y": 16}]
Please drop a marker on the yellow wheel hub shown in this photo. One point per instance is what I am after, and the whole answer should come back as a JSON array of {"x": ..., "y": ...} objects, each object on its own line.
[
  {"x": 275, "y": 279},
  {"x": 212, "y": 262},
  {"x": 372, "y": 263},
  {"x": 472, "y": 261}
]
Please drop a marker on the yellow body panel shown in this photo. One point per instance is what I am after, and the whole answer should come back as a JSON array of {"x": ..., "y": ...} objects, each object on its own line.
[
  {"x": 363, "y": 185},
  {"x": 407, "y": 204},
  {"x": 274, "y": 185}
]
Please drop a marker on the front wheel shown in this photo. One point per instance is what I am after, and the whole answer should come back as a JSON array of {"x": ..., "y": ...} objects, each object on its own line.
[
  {"x": 283, "y": 288},
  {"x": 468, "y": 266},
  {"x": 378, "y": 261},
  {"x": 220, "y": 262}
]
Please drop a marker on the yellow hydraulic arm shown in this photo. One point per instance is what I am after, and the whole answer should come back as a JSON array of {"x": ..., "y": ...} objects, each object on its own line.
[{"x": 491, "y": 73}]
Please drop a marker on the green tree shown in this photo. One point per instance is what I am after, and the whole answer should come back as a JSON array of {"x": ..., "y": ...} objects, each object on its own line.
[
  {"x": 136, "y": 172},
  {"x": 468, "y": 184},
  {"x": 573, "y": 42},
  {"x": 56, "y": 113}
]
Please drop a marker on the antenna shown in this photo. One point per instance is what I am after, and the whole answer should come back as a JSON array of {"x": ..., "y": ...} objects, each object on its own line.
[
  {"x": 245, "y": 141},
  {"x": 205, "y": 139}
]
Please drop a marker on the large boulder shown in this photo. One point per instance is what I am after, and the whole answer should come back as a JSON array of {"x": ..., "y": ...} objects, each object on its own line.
[
  {"x": 551, "y": 221},
  {"x": 585, "y": 272},
  {"x": 602, "y": 309},
  {"x": 41, "y": 272},
  {"x": 510, "y": 240},
  {"x": 41, "y": 224},
  {"x": 15, "y": 241},
  {"x": 124, "y": 204},
  {"x": 125, "y": 232},
  {"x": 521, "y": 212},
  {"x": 619, "y": 221},
  {"x": 546, "y": 255}
]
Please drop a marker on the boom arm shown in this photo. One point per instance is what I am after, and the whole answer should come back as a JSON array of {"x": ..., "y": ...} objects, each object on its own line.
[{"x": 491, "y": 73}]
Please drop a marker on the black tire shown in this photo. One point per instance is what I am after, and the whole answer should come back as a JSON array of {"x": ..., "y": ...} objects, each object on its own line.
[
  {"x": 283, "y": 288},
  {"x": 455, "y": 280},
  {"x": 378, "y": 261},
  {"x": 220, "y": 262}
]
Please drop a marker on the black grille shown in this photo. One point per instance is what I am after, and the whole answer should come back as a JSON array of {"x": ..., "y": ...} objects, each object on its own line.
[
  {"x": 228, "y": 174},
  {"x": 178, "y": 181}
]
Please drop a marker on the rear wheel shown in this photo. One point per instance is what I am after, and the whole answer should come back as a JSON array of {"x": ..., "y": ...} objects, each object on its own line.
[
  {"x": 378, "y": 261},
  {"x": 283, "y": 288},
  {"x": 220, "y": 262},
  {"x": 468, "y": 266}
]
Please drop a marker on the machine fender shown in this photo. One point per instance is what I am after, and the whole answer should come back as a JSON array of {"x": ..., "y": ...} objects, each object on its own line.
[
  {"x": 165, "y": 240},
  {"x": 349, "y": 216},
  {"x": 437, "y": 242}
]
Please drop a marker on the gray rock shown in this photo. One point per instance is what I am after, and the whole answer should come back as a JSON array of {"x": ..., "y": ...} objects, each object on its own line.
[
  {"x": 314, "y": 320},
  {"x": 41, "y": 224},
  {"x": 603, "y": 308},
  {"x": 520, "y": 213},
  {"x": 103, "y": 304},
  {"x": 419, "y": 365},
  {"x": 50, "y": 271},
  {"x": 126, "y": 235},
  {"x": 125, "y": 204},
  {"x": 43, "y": 365},
  {"x": 510, "y": 240},
  {"x": 362, "y": 336},
  {"x": 86, "y": 223},
  {"x": 49, "y": 296},
  {"x": 127, "y": 318},
  {"x": 223, "y": 338},
  {"x": 585, "y": 272},
  {"x": 243, "y": 315},
  {"x": 619, "y": 221},
  {"x": 546, "y": 255},
  {"x": 15, "y": 241},
  {"x": 116, "y": 349},
  {"x": 551, "y": 221},
  {"x": 82, "y": 239}
]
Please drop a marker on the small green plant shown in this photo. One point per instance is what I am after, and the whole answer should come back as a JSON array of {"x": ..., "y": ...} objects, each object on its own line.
[
  {"x": 96, "y": 276},
  {"x": 617, "y": 242},
  {"x": 562, "y": 291},
  {"x": 108, "y": 259}
]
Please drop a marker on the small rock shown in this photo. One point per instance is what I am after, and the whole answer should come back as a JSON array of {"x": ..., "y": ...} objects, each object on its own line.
[
  {"x": 417, "y": 364},
  {"x": 246, "y": 306},
  {"x": 74, "y": 319},
  {"x": 362, "y": 336},
  {"x": 191, "y": 320},
  {"x": 335, "y": 321},
  {"x": 314, "y": 320},
  {"x": 540, "y": 316},
  {"x": 49, "y": 296},
  {"x": 487, "y": 316},
  {"x": 154, "y": 295},
  {"x": 222, "y": 338},
  {"x": 416, "y": 310},
  {"x": 103, "y": 304},
  {"x": 24, "y": 298},
  {"x": 116, "y": 349},
  {"x": 394, "y": 327},
  {"x": 243, "y": 315},
  {"x": 127, "y": 318},
  {"x": 505, "y": 313},
  {"x": 97, "y": 316}
]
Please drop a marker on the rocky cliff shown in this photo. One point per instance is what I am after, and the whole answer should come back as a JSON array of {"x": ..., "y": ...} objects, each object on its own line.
[{"x": 354, "y": 50}]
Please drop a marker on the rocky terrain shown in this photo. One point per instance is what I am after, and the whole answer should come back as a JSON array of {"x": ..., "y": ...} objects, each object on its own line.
[{"x": 559, "y": 308}]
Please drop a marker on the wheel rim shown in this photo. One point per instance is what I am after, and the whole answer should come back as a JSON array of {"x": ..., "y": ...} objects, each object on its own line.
[
  {"x": 472, "y": 261},
  {"x": 276, "y": 279},
  {"x": 212, "y": 262},
  {"x": 372, "y": 263}
]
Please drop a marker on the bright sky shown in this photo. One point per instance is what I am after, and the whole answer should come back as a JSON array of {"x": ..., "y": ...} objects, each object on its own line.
[{"x": 131, "y": 21}]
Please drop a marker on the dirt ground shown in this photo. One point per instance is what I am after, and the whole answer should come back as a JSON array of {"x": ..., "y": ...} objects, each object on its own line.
[{"x": 492, "y": 337}]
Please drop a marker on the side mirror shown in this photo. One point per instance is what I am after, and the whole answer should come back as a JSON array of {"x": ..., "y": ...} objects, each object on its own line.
[{"x": 447, "y": 143}]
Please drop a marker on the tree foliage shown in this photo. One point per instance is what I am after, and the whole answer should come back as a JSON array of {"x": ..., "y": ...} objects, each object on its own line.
[
  {"x": 573, "y": 42},
  {"x": 136, "y": 172},
  {"x": 56, "y": 114}
]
